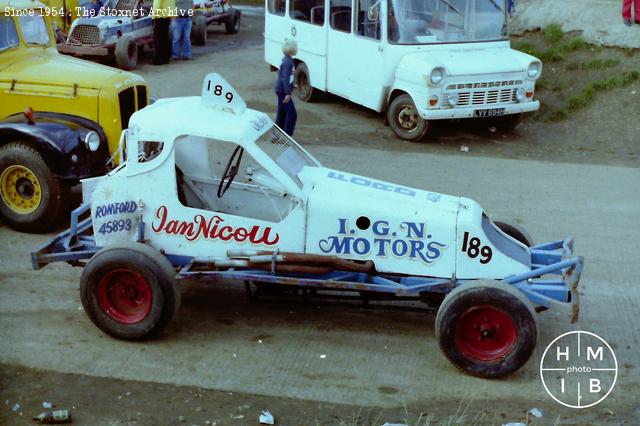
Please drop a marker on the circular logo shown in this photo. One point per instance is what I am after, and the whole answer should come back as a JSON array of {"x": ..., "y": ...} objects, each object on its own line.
[
  {"x": 579, "y": 369},
  {"x": 293, "y": 31}
]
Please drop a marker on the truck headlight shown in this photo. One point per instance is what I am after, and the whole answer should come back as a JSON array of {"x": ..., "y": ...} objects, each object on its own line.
[
  {"x": 520, "y": 94},
  {"x": 533, "y": 71},
  {"x": 453, "y": 99},
  {"x": 92, "y": 141},
  {"x": 437, "y": 75}
]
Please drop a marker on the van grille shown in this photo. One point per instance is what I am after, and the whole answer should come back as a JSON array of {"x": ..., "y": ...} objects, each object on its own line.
[
  {"x": 86, "y": 34},
  {"x": 482, "y": 93}
]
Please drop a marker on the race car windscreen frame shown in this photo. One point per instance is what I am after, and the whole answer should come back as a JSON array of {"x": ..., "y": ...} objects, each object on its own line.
[{"x": 286, "y": 153}]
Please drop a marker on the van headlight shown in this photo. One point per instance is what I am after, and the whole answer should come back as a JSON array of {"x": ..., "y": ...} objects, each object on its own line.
[
  {"x": 437, "y": 75},
  {"x": 533, "y": 71},
  {"x": 92, "y": 141}
]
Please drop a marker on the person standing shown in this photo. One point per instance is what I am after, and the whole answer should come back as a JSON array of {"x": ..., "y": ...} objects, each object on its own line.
[
  {"x": 286, "y": 115},
  {"x": 181, "y": 29},
  {"x": 162, "y": 11},
  {"x": 626, "y": 11}
]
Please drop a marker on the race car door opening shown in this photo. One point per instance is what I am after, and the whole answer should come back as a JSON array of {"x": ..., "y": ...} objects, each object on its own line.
[{"x": 205, "y": 166}]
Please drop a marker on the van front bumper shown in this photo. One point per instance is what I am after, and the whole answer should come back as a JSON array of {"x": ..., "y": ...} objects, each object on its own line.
[{"x": 449, "y": 113}]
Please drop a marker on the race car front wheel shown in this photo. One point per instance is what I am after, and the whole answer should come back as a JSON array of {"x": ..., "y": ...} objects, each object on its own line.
[
  {"x": 31, "y": 197},
  {"x": 486, "y": 329},
  {"x": 129, "y": 291}
]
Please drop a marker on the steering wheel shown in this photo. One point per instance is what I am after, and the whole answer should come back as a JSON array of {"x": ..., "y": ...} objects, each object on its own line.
[{"x": 230, "y": 171}]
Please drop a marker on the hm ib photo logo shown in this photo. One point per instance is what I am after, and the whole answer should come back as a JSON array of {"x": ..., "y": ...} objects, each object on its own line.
[{"x": 579, "y": 369}]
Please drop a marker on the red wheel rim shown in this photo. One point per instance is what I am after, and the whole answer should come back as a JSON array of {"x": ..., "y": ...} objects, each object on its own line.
[
  {"x": 125, "y": 296},
  {"x": 485, "y": 333}
]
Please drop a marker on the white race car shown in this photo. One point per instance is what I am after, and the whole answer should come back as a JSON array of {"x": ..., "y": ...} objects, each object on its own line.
[{"x": 212, "y": 189}]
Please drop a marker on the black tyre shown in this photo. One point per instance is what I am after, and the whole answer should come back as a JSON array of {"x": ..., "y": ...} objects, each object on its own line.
[
  {"x": 304, "y": 90},
  {"x": 506, "y": 123},
  {"x": 129, "y": 291},
  {"x": 232, "y": 24},
  {"x": 31, "y": 197},
  {"x": 126, "y": 53},
  {"x": 405, "y": 121},
  {"x": 516, "y": 232},
  {"x": 199, "y": 33},
  {"x": 487, "y": 329}
]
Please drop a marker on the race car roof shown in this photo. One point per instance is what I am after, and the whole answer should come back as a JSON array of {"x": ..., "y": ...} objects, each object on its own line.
[{"x": 167, "y": 119}]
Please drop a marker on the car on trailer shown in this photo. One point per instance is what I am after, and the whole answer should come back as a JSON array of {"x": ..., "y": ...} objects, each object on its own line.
[
  {"x": 211, "y": 189},
  {"x": 213, "y": 12},
  {"x": 61, "y": 118},
  {"x": 120, "y": 30}
]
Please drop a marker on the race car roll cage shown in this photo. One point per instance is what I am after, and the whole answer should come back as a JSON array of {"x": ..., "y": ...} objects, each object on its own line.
[{"x": 552, "y": 280}]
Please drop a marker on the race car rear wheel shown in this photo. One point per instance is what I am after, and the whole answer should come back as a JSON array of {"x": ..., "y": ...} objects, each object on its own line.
[
  {"x": 129, "y": 291},
  {"x": 31, "y": 197},
  {"x": 486, "y": 329},
  {"x": 405, "y": 121},
  {"x": 126, "y": 53},
  {"x": 515, "y": 231},
  {"x": 232, "y": 24},
  {"x": 199, "y": 34}
]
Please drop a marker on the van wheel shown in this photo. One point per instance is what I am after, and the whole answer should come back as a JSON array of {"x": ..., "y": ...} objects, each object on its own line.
[
  {"x": 232, "y": 24},
  {"x": 32, "y": 198},
  {"x": 516, "y": 232},
  {"x": 487, "y": 329},
  {"x": 304, "y": 90},
  {"x": 405, "y": 121},
  {"x": 199, "y": 33},
  {"x": 129, "y": 291},
  {"x": 126, "y": 53}
]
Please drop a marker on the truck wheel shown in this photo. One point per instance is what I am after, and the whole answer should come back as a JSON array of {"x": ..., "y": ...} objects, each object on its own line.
[
  {"x": 506, "y": 123},
  {"x": 199, "y": 33},
  {"x": 126, "y": 53},
  {"x": 129, "y": 291},
  {"x": 405, "y": 121},
  {"x": 516, "y": 232},
  {"x": 232, "y": 24},
  {"x": 32, "y": 197},
  {"x": 486, "y": 329},
  {"x": 304, "y": 90}
]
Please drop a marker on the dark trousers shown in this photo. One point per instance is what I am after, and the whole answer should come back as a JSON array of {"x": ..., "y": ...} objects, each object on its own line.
[
  {"x": 161, "y": 41},
  {"x": 286, "y": 115}
]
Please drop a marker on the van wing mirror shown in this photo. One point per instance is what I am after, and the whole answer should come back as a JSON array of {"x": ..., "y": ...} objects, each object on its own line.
[{"x": 372, "y": 13}]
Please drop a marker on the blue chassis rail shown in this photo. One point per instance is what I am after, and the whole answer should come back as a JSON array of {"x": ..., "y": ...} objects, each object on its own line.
[{"x": 552, "y": 280}]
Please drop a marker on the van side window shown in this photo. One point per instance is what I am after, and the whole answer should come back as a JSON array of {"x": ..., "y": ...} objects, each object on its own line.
[
  {"x": 308, "y": 10},
  {"x": 368, "y": 23},
  {"x": 277, "y": 7},
  {"x": 340, "y": 15}
]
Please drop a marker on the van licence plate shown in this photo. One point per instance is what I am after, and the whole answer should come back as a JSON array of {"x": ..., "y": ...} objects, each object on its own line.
[{"x": 492, "y": 112}]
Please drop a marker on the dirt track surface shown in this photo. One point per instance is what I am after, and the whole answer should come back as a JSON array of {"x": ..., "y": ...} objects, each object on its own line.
[{"x": 223, "y": 357}]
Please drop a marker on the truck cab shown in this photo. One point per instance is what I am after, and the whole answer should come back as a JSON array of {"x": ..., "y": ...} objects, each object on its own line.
[
  {"x": 418, "y": 60},
  {"x": 60, "y": 117}
]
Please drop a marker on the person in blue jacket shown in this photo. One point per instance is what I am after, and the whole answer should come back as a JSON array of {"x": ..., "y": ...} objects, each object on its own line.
[{"x": 286, "y": 114}]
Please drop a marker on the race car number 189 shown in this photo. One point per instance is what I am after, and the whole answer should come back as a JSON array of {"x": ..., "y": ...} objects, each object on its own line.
[
  {"x": 472, "y": 246},
  {"x": 218, "y": 91}
]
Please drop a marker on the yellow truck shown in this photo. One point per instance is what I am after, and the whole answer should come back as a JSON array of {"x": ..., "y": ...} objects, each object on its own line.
[{"x": 60, "y": 117}]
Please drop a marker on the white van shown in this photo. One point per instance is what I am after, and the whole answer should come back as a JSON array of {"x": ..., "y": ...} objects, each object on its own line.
[{"x": 419, "y": 60}]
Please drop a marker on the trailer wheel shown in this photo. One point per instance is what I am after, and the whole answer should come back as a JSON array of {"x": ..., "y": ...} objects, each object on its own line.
[
  {"x": 31, "y": 197},
  {"x": 515, "y": 231},
  {"x": 199, "y": 33},
  {"x": 405, "y": 121},
  {"x": 304, "y": 90},
  {"x": 126, "y": 53},
  {"x": 232, "y": 24},
  {"x": 129, "y": 291},
  {"x": 486, "y": 329}
]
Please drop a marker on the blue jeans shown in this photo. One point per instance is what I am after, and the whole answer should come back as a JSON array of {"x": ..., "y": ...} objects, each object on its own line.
[
  {"x": 286, "y": 114},
  {"x": 181, "y": 28}
]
